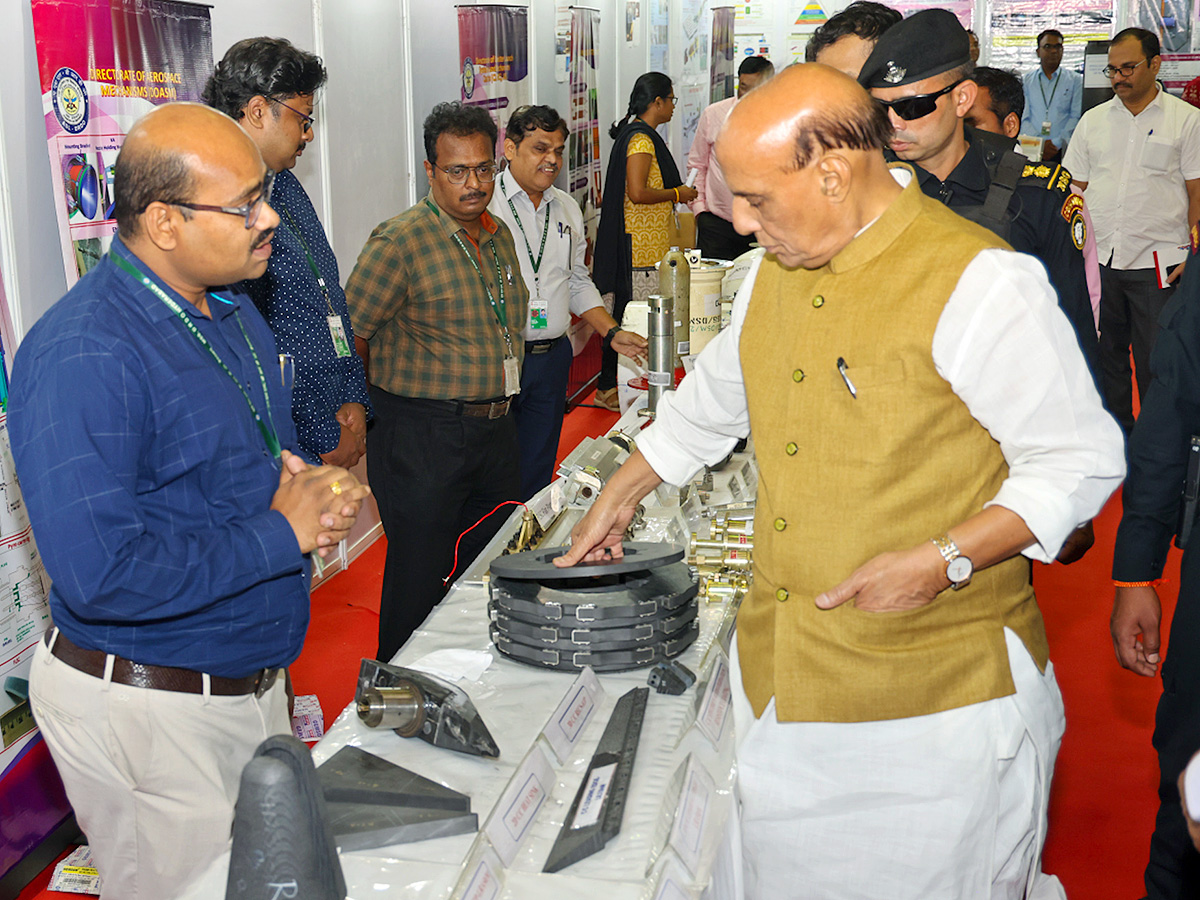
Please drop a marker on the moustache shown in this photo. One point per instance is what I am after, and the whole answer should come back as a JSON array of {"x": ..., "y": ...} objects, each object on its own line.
[
  {"x": 262, "y": 239},
  {"x": 472, "y": 195}
]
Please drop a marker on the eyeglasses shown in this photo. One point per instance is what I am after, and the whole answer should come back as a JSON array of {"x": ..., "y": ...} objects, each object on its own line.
[
  {"x": 918, "y": 106},
  {"x": 1126, "y": 71},
  {"x": 459, "y": 174},
  {"x": 307, "y": 122},
  {"x": 250, "y": 211}
]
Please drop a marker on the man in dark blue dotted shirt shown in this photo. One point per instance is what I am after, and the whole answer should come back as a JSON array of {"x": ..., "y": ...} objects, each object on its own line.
[{"x": 268, "y": 86}]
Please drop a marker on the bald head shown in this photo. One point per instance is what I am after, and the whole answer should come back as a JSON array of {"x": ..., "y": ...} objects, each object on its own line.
[
  {"x": 803, "y": 157},
  {"x": 169, "y": 152}
]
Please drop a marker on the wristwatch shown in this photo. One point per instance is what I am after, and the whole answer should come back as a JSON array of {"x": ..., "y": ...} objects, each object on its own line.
[
  {"x": 959, "y": 568},
  {"x": 612, "y": 333}
]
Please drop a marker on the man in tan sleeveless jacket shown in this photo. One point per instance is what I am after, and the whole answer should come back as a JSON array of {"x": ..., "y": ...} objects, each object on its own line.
[{"x": 925, "y": 425}]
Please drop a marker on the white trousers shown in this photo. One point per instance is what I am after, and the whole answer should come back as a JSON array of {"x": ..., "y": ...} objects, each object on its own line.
[
  {"x": 152, "y": 775},
  {"x": 949, "y": 806}
]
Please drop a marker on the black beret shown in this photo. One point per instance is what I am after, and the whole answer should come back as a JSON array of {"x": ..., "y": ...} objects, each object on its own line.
[{"x": 925, "y": 44}]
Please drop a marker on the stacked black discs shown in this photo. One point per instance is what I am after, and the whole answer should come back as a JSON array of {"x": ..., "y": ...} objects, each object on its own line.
[{"x": 622, "y": 614}]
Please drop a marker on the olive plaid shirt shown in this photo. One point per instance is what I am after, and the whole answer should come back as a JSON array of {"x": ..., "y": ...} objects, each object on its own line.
[{"x": 419, "y": 303}]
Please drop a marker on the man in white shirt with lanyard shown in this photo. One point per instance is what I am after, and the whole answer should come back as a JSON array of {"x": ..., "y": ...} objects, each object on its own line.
[
  {"x": 1137, "y": 159},
  {"x": 547, "y": 227}
]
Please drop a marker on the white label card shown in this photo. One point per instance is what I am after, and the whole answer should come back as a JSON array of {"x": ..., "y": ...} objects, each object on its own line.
[
  {"x": 512, "y": 376},
  {"x": 598, "y": 782},
  {"x": 714, "y": 708},
  {"x": 485, "y": 882},
  {"x": 573, "y": 713},
  {"x": 519, "y": 804},
  {"x": 673, "y": 882},
  {"x": 687, "y": 834}
]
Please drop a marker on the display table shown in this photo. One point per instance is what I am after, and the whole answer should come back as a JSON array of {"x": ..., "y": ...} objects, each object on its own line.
[{"x": 680, "y": 794}]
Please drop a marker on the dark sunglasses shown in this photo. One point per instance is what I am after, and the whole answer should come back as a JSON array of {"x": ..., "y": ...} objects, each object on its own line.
[{"x": 918, "y": 106}]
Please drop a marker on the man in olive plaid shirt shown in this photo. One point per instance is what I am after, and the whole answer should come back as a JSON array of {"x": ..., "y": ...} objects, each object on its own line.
[{"x": 438, "y": 304}]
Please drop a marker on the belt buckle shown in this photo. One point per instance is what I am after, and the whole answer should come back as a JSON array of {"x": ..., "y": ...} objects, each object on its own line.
[
  {"x": 498, "y": 410},
  {"x": 264, "y": 681}
]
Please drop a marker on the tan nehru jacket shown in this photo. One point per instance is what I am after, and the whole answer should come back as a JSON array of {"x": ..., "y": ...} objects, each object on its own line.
[{"x": 843, "y": 479}]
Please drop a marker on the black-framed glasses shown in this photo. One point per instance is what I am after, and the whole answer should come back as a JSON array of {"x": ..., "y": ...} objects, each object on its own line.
[
  {"x": 1126, "y": 71},
  {"x": 918, "y": 106},
  {"x": 459, "y": 174},
  {"x": 249, "y": 211},
  {"x": 307, "y": 122}
]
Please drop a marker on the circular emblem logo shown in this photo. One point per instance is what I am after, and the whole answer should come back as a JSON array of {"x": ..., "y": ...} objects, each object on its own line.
[
  {"x": 468, "y": 78},
  {"x": 69, "y": 98},
  {"x": 1078, "y": 231}
]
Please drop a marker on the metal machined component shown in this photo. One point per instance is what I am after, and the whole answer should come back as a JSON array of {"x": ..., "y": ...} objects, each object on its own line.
[
  {"x": 661, "y": 336},
  {"x": 401, "y": 708}
]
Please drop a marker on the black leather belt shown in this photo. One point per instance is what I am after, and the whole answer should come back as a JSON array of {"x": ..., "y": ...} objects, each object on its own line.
[
  {"x": 158, "y": 678},
  {"x": 536, "y": 347}
]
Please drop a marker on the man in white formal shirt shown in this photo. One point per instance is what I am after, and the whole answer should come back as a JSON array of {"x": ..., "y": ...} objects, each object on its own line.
[
  {"x": 1137, "y": 160},
  {"x": 923, "y": 419},
  {"x": 547, "y": 227}
]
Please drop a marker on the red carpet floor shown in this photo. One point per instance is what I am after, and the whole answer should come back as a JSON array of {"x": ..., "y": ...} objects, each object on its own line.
[{"x": 1103, "y": 803}]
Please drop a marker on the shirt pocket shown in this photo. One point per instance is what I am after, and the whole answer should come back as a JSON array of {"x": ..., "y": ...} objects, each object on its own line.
[{"x": 1159, "y": 156}]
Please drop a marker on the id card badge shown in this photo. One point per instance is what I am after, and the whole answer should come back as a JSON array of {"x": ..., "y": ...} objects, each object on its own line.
[
  {"x": 538, "y": 310},
  {"x": 512, "y": 376},
  {"x": 1045, "y": 129},
  {"x": 337, "y": 331}
]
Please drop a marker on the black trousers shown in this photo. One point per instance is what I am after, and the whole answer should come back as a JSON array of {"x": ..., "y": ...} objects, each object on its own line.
[
  {"x": 1130, "y": 304},
  {"x": 539, "y": 410},
  {"x": 718, "y": 239},
  {"x": 433, "y": 474},
  {"x": 1174, "y": 868}
]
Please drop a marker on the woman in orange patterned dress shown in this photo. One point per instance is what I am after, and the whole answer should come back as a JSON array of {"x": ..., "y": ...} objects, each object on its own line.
[{"x": 641, "y": 190}]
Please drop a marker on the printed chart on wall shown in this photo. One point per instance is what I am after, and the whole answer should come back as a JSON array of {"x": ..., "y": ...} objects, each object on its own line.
[
  {"x": 583, "y": 147},
  {"x": 493, "y": 57},
  {"x": 24, "y": 585},
  {"x": 103, "y": 64},
  {"x": 1015, "y": 25}
]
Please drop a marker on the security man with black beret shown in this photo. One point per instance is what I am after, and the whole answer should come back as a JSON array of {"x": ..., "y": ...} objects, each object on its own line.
[
  {"x": 921, "y": 71},
  {"x": 1160, "y": 449}
]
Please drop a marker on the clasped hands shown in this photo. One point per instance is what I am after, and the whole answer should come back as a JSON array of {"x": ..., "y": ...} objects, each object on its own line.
[{"x": 319, "y": 502}]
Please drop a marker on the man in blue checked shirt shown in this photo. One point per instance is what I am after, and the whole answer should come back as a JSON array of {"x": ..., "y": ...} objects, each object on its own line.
[
  {"x": 268, "y": 86},
  {"x": 156, "y": 451}
]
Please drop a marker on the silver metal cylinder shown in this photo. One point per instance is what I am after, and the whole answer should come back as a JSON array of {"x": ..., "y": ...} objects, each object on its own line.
[
  {"x": 401, "y": 708},
  {"x": 661, "y": 337}
]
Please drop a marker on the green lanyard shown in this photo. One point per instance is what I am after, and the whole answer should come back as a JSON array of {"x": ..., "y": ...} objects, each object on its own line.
[
  {"x": 268, "y": 432},
  {"x": 537, "y": 263},
  {"x": 1042, "y": 86},
  {"x": 312, "y": 263}
]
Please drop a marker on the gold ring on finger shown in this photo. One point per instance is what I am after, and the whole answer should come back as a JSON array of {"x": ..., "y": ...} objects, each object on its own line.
[{"x": 336, "y": 487}]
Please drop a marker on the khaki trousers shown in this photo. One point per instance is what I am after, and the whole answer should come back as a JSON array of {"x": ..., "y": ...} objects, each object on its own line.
[{"x": 152, "y": 775}]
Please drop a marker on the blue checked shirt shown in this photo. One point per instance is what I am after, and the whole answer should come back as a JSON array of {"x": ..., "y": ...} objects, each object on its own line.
[
  {"x": 292, "y": 303},
  {"x": 148, "y": 483}
]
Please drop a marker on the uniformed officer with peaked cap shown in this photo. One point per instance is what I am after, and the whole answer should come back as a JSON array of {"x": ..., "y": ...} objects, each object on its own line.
[{"x": 921, "y": 71}]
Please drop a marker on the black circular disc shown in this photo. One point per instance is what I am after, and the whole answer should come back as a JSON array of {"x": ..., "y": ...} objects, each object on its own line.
[{"x": 539, "y": 564}]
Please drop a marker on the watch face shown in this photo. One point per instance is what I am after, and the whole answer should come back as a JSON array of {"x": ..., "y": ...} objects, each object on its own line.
[{"x": 959, "y": 570}]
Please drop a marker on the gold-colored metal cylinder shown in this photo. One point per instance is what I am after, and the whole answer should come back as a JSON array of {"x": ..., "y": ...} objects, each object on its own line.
[{"x": 400, "y": 707}]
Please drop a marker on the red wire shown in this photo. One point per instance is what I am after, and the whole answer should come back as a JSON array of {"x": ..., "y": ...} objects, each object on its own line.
[{"x": 465, "y": 533}]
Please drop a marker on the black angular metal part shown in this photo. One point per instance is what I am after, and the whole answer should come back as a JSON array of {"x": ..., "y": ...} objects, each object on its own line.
[
  {"x": 617, "y": 748},
  {"x": 449, "y": 720},
  {"x": 671, "y": 677},
  {"x": 365, "y": 826},
  {"x": 352, "y": 775},
  {"x": 539, "y": 563}
]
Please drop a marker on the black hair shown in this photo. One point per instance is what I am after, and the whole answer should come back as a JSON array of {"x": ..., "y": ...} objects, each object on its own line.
[
  {"x": 460, "y": 120},
  {"x": 1054, "y": 31},
  {"x": 266, "y": 67},
  {"x": 1148, "y": 40},
  {"x": 648, "y": 88},
  {"x": 143, "y": 176},
  {"x": 863, "y": 19},
  {"x": 756, "y": 65},
  {"x": 862, "y": 124},
  {"x": 1005, "y": 89},
  {"x": 534, "y": 118}
]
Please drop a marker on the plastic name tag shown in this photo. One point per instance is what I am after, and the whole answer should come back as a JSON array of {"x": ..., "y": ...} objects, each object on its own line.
[
  {"x": 691, "y": 815},
  {"x": 713, "y": 714},
  {"x": 538, "y": 310},
  {"x": 337, "y": 331},
  {"x": 512, "y": 376},
  {"x": 574, "y": 712},
  {"x": 519, "y": 804}
]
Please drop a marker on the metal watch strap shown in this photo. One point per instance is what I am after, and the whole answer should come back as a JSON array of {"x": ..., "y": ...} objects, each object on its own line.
[{"x": 947, "y": 548}]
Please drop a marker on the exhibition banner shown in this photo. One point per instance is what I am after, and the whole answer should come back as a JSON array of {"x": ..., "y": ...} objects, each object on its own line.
[
  {"x": 493, "y": 57},
  {"x": 102, "y": 65},
  {"x": 1015, "y": 24},
  {"x": 583, "y": 145},
  {"x": 722, "y": 78}
]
